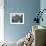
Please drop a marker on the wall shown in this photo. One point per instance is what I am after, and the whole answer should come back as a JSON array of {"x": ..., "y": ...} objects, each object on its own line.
[
  {"x": 1, "y": 20},
  {"x": 29, "y": 8},
  {"x": 43, "y": 6}
]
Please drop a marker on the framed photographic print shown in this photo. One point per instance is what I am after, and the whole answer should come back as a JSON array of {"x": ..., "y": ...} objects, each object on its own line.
[{"x": 16, "y": 18}]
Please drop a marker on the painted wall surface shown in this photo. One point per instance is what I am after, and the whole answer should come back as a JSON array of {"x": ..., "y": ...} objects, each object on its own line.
[
  {"x": 29, "y": 8},
  {"x": 1, "y": 21},
  {"x": 43, "y": 6}
]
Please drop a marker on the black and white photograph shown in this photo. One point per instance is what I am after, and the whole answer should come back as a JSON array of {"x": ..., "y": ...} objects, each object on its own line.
[{"x": 16, "y": 18}]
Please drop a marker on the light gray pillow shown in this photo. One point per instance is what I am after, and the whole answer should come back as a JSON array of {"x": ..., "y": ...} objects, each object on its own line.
[{"x": 21, "y": 42}]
